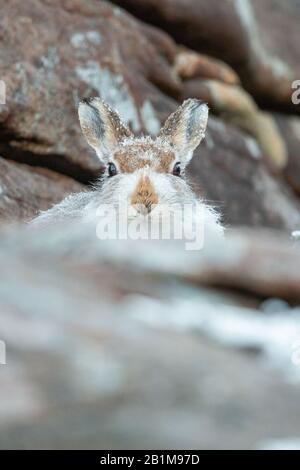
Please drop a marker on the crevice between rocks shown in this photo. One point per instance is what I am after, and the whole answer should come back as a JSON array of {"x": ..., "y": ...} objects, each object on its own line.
[{"x": 51, "y": 161}]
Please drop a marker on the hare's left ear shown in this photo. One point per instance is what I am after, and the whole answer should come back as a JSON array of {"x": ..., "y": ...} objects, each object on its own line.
[
  {"x": 185, "y": 128},
  {"x": 102, "y": 127}
]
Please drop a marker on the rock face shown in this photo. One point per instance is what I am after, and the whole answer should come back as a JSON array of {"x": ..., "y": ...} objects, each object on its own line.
[
  {"x": 121, "y": 344},
  {"x": 97, "y": 54},
  {"x": 229, "y": 169},
  {"x": 278, "y": 32},
  {"x": 144, "y": 356},
  {"x": 259, "y": 38},
  {"x": 24, "y": 191},
  {"x": 235, "y": 105}
]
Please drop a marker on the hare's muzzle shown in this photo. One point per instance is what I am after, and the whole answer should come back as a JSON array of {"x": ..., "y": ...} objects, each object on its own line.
[{"x": 144, "y": 197}]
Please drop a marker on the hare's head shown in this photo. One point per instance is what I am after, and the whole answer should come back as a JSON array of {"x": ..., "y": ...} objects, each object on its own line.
[{"x": 142, "y": 171}]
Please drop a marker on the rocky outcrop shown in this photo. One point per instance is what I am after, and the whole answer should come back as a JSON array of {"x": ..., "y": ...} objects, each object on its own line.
[
  {"x": 259, "y": 38},
  {"x": 24, "y": 190},
  {"x": 230, "y": 169},
  {"x": 236, "y": 106},
  {"x": 215, "y": 82},
  {"x": 97, "y": 54}
]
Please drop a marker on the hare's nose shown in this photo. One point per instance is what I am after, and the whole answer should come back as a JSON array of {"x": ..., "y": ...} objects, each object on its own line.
[
  {"x": 144, "y": 197},
  {"x": 143, "y": 209}
]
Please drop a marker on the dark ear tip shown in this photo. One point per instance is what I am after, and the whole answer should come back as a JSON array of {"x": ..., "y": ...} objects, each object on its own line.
[
  {"x": 95, "y": 102},
  {"x": 87, "y": 101}
]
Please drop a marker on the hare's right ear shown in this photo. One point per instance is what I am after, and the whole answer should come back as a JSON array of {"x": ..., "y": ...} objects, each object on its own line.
[
  {"x": 185, "y": 128},
  {"x": 102, "y": 127}
]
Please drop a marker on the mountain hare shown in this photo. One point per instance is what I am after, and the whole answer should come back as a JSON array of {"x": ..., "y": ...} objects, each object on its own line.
[{"x": 145, "y": 174}]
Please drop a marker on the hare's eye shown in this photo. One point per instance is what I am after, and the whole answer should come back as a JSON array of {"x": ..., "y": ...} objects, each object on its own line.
[
  {"x": 177, "y": 169},
  {"x": 112, "y": 170}
]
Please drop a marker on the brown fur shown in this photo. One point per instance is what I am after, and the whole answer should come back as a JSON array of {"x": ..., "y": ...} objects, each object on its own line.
[
  {"x": 144, "y": 196},
  {"x": 136, "y": 157}
]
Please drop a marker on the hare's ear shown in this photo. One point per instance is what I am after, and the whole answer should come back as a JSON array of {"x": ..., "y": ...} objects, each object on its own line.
[
  {"x": 185, "y": 128},
  {"x": 101, "y": 126}
]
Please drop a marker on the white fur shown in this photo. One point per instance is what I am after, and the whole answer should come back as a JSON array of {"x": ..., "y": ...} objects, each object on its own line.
[{"x": 170, "y": 190}]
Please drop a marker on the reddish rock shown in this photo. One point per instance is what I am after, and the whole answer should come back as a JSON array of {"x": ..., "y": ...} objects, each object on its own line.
[
  {"x": 190, "y": 64},
  {"x": 278, "y": 52},
  {"x": 236, "y": 106},
  {"x": 259, "y": 38},
  {"x": 228, "y": 167},
  {"x": 66, "y": 50},
  {"x": 97, "y": 54},
  {"x": 24, "y": 190}
]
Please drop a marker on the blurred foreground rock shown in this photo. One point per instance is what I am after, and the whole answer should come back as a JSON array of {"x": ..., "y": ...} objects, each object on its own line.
[{"x": 106, "y": 349}]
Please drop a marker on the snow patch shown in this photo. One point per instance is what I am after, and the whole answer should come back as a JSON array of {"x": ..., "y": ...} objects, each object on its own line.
[
  {"x": 253, "y": 147},
  {"x": 296, "y": 235},
  {"x": 117, "y": 11},
  {"x": 292, "y": 443},
  {"x": 276, "y": 335}
]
